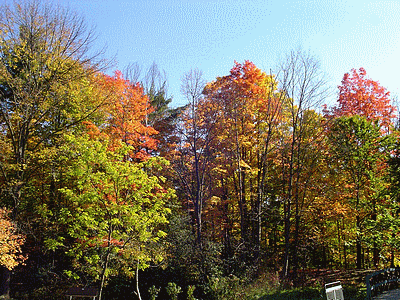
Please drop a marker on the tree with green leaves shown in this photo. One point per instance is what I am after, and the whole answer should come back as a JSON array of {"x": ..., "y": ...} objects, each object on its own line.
[
  {"x": 113, "y": 211},
  {"x": 359, "y": 152},
  {"x": 304, "y": 84},
  {"x": 46, "y": 87}
]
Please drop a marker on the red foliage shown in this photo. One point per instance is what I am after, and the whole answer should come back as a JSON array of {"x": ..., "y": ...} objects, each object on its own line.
[
  {"x": 362, "y": 96},
  {"x": 128, "y": 108}
]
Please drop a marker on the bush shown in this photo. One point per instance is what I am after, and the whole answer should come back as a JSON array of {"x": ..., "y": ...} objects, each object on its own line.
[{"x": 173, "y": 290}]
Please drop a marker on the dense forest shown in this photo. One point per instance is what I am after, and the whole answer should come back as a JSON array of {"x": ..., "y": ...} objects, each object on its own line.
[{"x": 103, "y": 183}]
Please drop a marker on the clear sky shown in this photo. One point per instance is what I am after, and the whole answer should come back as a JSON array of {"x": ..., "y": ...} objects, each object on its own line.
[{"x": 211, "y": 34}]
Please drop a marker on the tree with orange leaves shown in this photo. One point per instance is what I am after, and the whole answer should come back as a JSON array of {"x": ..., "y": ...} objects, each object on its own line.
[
  {"x": 128, "y": 109},
  {"x": 115, "y": 196},
  {"x": 359, "y": 95},
  {"x": 364, "y": 107},
  {"x": 10, "y": 248},
  {"x": 10, "y": 242},
  {"x": 248, "y": 107}
]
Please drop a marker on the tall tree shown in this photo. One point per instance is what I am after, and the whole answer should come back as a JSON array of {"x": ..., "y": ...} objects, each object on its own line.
[
  {"x": 113, "y": 210},
  {"x": 44, "y": 56},
  {"x": 128, "y": 107},
  {"x": 193, "y": 159},
  {"x": 362, "y": 96},
  {"x": 393, "y": 219},
  {"x": 249, "y": 108},
  {"x": 304, "y": 85},
  {"x": 358, "y": 150}
]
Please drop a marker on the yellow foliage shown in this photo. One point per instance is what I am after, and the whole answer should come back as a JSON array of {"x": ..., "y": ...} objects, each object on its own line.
[{"x": 10, "y": 242}]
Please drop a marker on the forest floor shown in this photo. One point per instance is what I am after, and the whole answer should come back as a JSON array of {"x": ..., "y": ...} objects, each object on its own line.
[
  {"x": 324, "y": 276},
  {"x": 313, "y": 282}
]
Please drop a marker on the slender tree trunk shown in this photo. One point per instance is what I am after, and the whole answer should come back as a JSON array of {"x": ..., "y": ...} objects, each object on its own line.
[
  {"x": 137, "y": 292},
  {"x": 392, "y": 254},
  {"x": 289, "y": 196},
  {"x": 344, "y": 246},
  {"x": 296, "y": 243},
  {"x": 339, "y": 240},
  {"x": 257, "y": 227},
  {"x": 5, "y": 278},
  {"x": 359, "y": 251},
  {"x": 287, "y": 209},
  {"x": 358, "y": 228},
  {"x": 103, "y": 273},
  {"x": 375, "y": 250},
  {"x": 198, "y": 202},
  {"x": 241, "y": 186},
  {"x": 262, "y": 174}
]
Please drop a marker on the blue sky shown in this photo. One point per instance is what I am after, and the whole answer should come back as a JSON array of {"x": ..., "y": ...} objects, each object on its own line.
[{"x": 209, "y": 35}]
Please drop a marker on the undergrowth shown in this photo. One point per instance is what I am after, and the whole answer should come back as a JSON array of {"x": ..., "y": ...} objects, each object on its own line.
[{"x": 269, "y": 287}]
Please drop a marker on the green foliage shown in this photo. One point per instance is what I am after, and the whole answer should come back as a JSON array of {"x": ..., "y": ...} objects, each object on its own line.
[
  {"x": 195, "y": 264},
  {"x": 190, "y": 292},
  {"x": 224, "y": 287},
  {"x": 113, "y": 210},
  {"x": 153, "y": 291},
  {"x": 47, "y": 88},
  {"x": 359, "y": 153},
  {"x": 173, "y": 290}
]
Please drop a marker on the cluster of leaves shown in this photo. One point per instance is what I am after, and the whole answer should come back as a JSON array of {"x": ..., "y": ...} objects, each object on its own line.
[
  {"x": 263, "y": 179},
  {"x": 76, "y": 161},
  {"x": 274, "y": 182},
  {"x": 10, "y": 242}
]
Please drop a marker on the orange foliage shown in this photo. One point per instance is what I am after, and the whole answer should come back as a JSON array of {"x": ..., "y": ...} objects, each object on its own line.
[
  {"x": 362, "y": 96},
  {"x": 246, "y": 100},
  {"x": 10, "y": 242},
  {"x": 128, "y": 108},
  {"x": 241, "y": 112}
]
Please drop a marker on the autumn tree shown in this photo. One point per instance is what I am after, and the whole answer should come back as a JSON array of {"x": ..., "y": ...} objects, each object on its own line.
[
  {"x": 393, "y": 219},
  {"x": 192, "y": 160},
  {"x": 127, "y": 108},
  {"x": 359, "y": 152},
  {"x": 10, "y": 247},
  {"x": 161, "y": 117},
  {"x": 111, "y": 189},
  {"x": 44, "y": 57},
  {"x": 303, "y": 83},
  {"x": 113, "y": 211},
  {"x": 364, "y": 97},
  {"x": 11, "y": 242},
  {"x": 248, "y": 107},
  {"x": 360, "y": 95}
]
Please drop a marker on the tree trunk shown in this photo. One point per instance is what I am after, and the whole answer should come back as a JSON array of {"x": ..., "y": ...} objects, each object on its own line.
[
  {"x": 103, "y": 273},
  {"x": 5, "y": 283},
  {"x": 288, "y": 206},
  {"x": 358, "y": 228},
  {"x": 287, "y": 238},
  {"x": 375, "y": 250},
  {"x": 296, "y": 244},
  {"x": 137, "y": 292},
  {"x": 344, "y": 245},
  {"x": 339, "y": 240}
]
